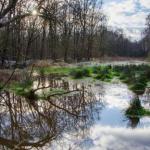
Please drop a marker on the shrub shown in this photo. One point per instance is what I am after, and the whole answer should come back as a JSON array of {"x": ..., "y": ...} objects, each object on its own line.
[{"x": 78, "y": 73}]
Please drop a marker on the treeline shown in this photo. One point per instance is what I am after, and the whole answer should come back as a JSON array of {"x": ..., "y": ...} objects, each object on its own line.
[
  {"x": 145, "y": 42},
  {"x": 54, "y": 29},
  {"x": 116, "y": 44}
]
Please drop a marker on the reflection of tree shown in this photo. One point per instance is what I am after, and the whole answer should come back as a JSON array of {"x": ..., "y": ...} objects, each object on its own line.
[
  {"x": 133, "y": 121},
  {"x": 133, "y": 112},
  {"x": 26, "y": 123}
]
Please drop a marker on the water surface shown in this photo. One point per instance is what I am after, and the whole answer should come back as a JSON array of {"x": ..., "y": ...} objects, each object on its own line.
[{"x": 111, "y": 129}]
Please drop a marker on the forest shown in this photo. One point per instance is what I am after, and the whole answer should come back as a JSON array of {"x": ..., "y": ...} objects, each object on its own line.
[{"x": 66, "y": 30}]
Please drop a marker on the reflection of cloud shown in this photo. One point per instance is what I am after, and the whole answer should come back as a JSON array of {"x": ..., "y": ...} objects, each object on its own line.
[
  {"x": 100, "y": 137},
  {"x": 117, "y": 95},
  {"x": 108, "y": 138},
  {"x": 145, "y": 3}
]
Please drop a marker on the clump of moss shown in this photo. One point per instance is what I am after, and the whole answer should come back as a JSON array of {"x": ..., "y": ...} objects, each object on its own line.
[
  {"x": 104, "y": 77},
  {"x": 104, "y": 74},
  {"x": 136, "y": 110},
  {"x": 78, "y": 73},
  {"x": 138, "y": 88}
]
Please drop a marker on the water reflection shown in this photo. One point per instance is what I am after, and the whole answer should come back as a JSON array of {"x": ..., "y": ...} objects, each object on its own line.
[
  {"x": 111, "y": 129},
  {"x": 88, "y": 116},
  {"x": 26, "y": 123},
  {"x": 133, "y": 121},
  {"x": 107, "y": 138}
]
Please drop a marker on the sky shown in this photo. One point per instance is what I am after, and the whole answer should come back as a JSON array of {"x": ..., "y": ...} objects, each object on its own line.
[{"x": 129, "y": 15}]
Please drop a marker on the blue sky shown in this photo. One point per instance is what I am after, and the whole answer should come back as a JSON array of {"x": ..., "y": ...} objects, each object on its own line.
[{"x": 128, "y": 15}]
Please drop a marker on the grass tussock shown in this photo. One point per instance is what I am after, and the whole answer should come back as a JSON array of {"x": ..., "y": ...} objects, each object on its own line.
[
  {"x": 136, "y": 110},
  {"x": 79, "y": 73}
]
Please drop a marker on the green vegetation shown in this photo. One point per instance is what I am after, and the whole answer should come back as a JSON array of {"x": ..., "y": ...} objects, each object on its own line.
[
  {"x": 103, "y": 73},
  {"x": 1, "y": 86},
  {"x": 135, "y": 76},
  {"x": 54, "y": 70},
  {"x": 138, "y": 87},
  {"x": 78, "y": 73},
  {"x": 136, "y": 109},
  {"x": 23, "y": 89}
]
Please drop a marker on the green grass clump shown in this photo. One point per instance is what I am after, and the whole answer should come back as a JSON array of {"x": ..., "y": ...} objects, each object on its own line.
[
  {"x": 54, "y": 70},
  {"x": 136, "y": 109},
  {"x": 138, "y": 112},
  {"x": 23, "y": 89},
  {"x": 104, "y": 73},
  {"x": 104, "y": 77},
  {"x": 96, "y": 69},
  {"x": 78, "y": 73},
  {"x": 139, "y": 84},
  {"x": 138, "y": 88}
]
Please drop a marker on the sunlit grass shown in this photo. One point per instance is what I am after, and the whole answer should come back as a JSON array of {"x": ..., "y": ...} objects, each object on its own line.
[{"x": 54, "y": 70}]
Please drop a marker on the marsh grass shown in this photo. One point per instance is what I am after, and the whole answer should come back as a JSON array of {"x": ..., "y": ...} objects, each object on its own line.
[
  {"x": 23, "y": 89},
  {"x": 136, "y": 110},
  {"x": 54, "y": 70},
  {"x": 135, "y": 76},
  {"x": 78, "y": 73}
]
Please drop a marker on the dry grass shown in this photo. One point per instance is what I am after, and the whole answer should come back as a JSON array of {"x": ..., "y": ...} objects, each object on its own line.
[
  {"x": 49, "y": 63},
  {"x": 5, "y": 75}
]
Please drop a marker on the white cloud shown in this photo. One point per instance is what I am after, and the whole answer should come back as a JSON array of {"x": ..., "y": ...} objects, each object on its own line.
[{"x": 126, "y": 14}]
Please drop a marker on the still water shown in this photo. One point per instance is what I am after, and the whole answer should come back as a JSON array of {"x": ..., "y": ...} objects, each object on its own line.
[
  {"x": 90, "y": 119},
  {"x": 111, "y": 130}
]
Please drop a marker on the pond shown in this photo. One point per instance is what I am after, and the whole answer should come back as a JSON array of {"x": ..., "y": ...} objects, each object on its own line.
[
  {"x": 89, "y": 117},
  {"x": 111, "y": 129}
]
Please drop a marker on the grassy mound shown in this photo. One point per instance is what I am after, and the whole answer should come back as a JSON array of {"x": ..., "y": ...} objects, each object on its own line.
[
  {"x": 79, "y": 73},
  {"x": 136, "y": 110}
]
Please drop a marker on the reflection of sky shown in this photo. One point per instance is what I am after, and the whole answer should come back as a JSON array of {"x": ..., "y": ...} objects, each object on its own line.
[
  {"x": 108, "y": 138},
  {"x": 117, "y": 95},
  {"x": 112, "y": 131}
]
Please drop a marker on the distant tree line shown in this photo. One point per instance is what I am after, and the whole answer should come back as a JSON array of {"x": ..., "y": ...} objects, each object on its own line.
[
  {"x": 68, "y": 30},
  {"x": 146, "y": 39}
]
